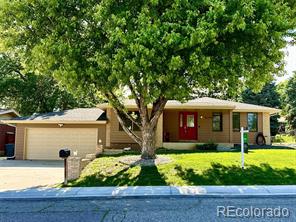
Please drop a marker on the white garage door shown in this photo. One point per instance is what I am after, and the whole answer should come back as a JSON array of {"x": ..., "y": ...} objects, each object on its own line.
[{"x": 45, "y": 143}]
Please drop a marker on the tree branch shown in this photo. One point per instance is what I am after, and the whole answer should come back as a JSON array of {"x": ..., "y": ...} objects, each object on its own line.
[
  {"x": 133, "y": 91},
  {"x": 157, "y": 109},
  {"x": 120, "y": 107},
  {"x": 127, "y": 130},
  {"x": 143, "y": 109}
]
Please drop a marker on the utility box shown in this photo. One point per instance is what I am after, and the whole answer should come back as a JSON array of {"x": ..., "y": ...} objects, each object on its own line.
[{"x": 246, "y": 138}]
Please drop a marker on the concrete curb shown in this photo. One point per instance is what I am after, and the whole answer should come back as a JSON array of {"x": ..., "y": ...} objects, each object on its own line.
[{"x": 149, "y": 191}]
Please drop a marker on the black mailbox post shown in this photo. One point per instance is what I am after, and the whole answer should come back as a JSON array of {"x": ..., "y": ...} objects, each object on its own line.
[{"x": 64, "y": 154}]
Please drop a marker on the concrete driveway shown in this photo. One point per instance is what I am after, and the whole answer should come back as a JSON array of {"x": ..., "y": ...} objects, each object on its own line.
[{"x": 22, "y": 174}]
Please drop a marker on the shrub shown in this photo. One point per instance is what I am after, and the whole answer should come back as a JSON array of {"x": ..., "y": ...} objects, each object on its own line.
[
  {"x": 207, "y": 146},
  {"x": 284, "y": 139}
]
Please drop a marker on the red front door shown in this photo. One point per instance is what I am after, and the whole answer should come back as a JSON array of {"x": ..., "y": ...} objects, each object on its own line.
[{"x": 188, "y": 125}]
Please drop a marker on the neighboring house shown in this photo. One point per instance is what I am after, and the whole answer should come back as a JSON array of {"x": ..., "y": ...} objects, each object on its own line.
[
  {"x": 181, "y": 126},
  {"x": 6, "y": 131}
]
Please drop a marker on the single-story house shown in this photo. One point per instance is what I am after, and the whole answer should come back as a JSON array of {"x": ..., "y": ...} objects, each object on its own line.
[
  {"x": 181, "y": 126},
  {"x": 7, "y": 132}
]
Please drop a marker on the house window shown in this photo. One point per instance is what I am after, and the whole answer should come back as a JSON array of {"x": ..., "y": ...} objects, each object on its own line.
[
  {"x": 236, "y": 122},
  {"x": 253, "y": 122},
  {"x": 217, "y": 122},
  {"x": 190, "y": 121},
  {"x": 130, "y": 125}
]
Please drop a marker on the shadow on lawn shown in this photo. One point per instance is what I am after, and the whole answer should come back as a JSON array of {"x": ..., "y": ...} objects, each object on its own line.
[
  {"x": 219, "y": 174},
  {"x": 163, "y": 151},
  {"x": 148, "y": 175}
]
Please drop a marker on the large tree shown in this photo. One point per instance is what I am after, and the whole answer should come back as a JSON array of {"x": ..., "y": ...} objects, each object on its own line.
[
  {"x": 290, "y": 102},
  {"x": 29, "y": 93},
  {"x": 268, "y": 96},
  {"x": 150, "y": 50}
]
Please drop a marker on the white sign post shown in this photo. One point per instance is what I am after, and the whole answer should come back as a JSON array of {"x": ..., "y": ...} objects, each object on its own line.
[{"x": 242, "y": 145}]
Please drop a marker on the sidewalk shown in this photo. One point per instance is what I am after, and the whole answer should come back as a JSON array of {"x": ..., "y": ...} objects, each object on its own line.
[{"x": 149, "y": 191}]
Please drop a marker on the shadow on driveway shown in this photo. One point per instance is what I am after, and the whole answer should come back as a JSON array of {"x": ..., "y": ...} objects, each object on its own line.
[{"x": 31, "y": 163}]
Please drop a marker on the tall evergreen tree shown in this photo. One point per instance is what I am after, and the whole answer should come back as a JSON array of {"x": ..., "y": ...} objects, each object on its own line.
[{"x": 290, "y": 102}]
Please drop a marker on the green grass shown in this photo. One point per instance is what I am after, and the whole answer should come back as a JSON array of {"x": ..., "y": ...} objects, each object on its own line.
[
  {"x": 263, "y": 166},
  {"x": 285, "y": 139}
]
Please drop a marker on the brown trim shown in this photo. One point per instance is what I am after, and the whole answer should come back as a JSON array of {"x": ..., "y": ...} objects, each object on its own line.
[{"x": 236, "y": 130}]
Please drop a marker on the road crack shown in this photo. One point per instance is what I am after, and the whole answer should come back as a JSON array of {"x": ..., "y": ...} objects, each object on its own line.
[{"x": 105, "y": 215}]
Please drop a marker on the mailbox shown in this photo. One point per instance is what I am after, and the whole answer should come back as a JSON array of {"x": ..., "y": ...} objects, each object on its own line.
[{"x": 64, "y": 153}]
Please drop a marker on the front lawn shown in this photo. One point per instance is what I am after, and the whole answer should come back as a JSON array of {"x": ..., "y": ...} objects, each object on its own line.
[{"x": 263, "y": 166}]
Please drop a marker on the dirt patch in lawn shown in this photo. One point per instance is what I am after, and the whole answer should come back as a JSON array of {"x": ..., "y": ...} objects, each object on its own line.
[{"x": 137, "y": 161}]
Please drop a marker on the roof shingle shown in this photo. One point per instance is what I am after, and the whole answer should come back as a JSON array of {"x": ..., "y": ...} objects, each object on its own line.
[
  {"x": 205, "y": 103},
  {"x": 79, "y": 114}
]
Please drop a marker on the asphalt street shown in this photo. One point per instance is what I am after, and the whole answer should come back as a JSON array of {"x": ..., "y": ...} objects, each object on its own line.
[{"x": 149, "y": 209}]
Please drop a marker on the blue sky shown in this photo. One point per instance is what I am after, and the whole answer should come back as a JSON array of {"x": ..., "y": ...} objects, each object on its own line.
[{"x": 290, "y": 62}]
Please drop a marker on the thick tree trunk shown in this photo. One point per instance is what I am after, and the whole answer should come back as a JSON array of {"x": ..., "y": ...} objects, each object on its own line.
[
  {"x": 147, "y": 122},
  {"x": 148, "y": 142}
]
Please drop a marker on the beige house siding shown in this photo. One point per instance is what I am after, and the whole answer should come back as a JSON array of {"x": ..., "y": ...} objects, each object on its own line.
[
  {"x": 118, "y": 138},
  {"x": 230, "y": 126},
  {"x": 205, "y": 132},
  {"x": 20, "y": 139},
  {"x": 108, "y": 128},
  {"x": 171, "y": 125},
  {"x": 266, "y": 127},
  {"x": 19, "y": 142}
]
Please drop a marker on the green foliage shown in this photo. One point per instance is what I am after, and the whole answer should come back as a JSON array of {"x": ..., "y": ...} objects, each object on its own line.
[
  {"x": 30, "y": 93},
  {"x": 207, "y": 146},
  {"x": 269, "y": 97},
  {"x": 290, "y": 101},
  {"x": 161, "y": 48},
  {"x": 284, "y": 139},
  {"x": 281, "y": 90}
]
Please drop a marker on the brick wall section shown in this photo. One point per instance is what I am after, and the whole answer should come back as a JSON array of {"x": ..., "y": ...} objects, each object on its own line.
[
  {"x": 74, "y": 168},
  {"x": 4, "y": 129}
]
